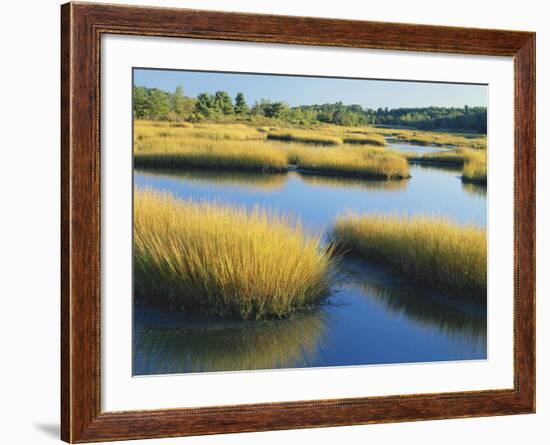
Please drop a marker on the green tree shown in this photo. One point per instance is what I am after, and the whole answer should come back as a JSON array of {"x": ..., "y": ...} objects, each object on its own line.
[
  {"x": 223, "y": 102},
  {"x": 160, "y": 105},
  {"x": 205, "y": 105},
  {"x": 241, "y": 106},
  {"x": 178, "y": 102},
  {"x": 141, "y": 102}
]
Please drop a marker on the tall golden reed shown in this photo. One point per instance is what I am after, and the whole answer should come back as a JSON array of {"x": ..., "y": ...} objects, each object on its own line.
[
  {"x": 434, "y": 251},
  {"x": 223, "y": 260}
]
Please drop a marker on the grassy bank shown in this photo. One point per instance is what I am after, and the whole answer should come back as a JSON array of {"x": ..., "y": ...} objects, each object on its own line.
[
  {"x": 223, "y": 260},
  {"x": 225, "y": 156},
  {"x": 473, "y": 162},
  {"x": 441, "y": 139},
  {"x": 365, "y": 139},
  {"x": 350, "y": 161},
  {"x": 239, "y": 147},
  {"x": 475, "y": 171},
  {"x": 304, "y": 137},
  {"x": 433, "y": 251}
]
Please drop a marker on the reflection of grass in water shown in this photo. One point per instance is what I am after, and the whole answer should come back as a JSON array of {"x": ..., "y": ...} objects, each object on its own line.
[
  {"x": 423, "y": 307},
  {"x": 272, "y": 181},
  {"x": 270, "y": 344},
  {"x": 225, "y": 260},
  {"x": 351, "y": 182},
  {"x": 474, "y": 189},
  {"x": 440, "y": 167}
]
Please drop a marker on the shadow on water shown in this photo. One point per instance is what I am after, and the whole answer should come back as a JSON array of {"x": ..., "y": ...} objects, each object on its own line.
[
  {"x": 353, "y": 183},
  {"x": 245, "y": 180},
  {"x": 451, "y": 316},
  {"x": 474, "y": 189},
  {"x": 167, "y": 343},
  {"x": 441, "y": 167}
]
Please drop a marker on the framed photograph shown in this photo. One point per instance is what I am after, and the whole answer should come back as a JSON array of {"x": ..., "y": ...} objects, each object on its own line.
[{"x": 274, "y": 222}]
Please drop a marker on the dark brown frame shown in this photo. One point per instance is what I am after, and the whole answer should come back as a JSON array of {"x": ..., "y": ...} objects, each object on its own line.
[{"x": 82, "y": 25}]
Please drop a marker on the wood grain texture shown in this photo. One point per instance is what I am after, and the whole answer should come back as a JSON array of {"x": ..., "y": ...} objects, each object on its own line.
[{"x": 81, "y": 28}]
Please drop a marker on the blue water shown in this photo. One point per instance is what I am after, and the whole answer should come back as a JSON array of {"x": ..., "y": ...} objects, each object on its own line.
[
  {"x": 409, "y": 147},
  {"x": 318, "y": 199},
  {"x": 371, "y": 317}
]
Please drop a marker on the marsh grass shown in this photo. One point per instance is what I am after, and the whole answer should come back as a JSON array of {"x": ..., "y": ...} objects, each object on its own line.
[
  {"x": 457, "y": 157},
  {"x": 225, "y": 261},
  {"x": 475, "y": 171},
  {"x": 433, "y": 251},
  {"x": 372, "y": 163},
  {"x": 238, "y": 147},
  {"x": 304, "y": 137},
  {"x": 365, "y": 139},
  {"x": 208, "y": 154},
  {"x": 441, "y": 139}
]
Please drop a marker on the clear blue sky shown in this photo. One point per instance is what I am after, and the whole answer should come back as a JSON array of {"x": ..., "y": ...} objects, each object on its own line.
[{"x": 316, "y": 90}]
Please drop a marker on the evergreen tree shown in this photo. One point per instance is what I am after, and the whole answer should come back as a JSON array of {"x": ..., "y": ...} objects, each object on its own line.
[
  {"x": 223, "y": 102},
  {"x": 240, "y": 104}
]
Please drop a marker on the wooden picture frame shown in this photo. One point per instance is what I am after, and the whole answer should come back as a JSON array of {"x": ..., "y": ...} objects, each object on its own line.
[{"x": 82, "y": 25}]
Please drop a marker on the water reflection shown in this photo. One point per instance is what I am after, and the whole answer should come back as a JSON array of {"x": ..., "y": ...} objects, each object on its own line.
[
  {"x": 474, "y": 189},
  {"x": 317, "y": 200},
  {"x": 355, "y": 183},
  {"x": 371, "y": 317},
  {"x": 168, "y": 343},
  {"x": 244, "y": 180}
]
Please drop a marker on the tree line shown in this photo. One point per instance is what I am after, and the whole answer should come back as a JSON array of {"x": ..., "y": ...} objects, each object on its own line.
[{"x": 157, "y": 104}]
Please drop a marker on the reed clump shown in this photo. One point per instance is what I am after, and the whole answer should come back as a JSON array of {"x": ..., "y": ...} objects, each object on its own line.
[
  {"x": 433, "y": 251},
  {"x": 441, "y": 139},
  {"x": 225, "y": 261},
  {"x": 372, "y": 163},
  {"x": 475, "y": 171},
  {"x": 365, "y": 139},
  {"x": 457, "y": 157},
  {"x": 304, "y": 137},
  {"x": 203, "y": 153}
]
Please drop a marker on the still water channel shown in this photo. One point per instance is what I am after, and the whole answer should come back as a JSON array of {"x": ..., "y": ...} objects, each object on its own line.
[{"x": 371, "y": 317}]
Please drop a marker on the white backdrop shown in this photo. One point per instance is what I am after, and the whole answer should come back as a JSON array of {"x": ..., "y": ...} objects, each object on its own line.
[{"x": 29, "y": 239}]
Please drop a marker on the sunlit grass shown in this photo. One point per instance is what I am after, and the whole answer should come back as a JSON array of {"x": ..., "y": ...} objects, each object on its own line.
[
  {"x": 434, "y": 251},
  {"x": 441, "y": 139},
  {"x": 475, "y": 171},
  {"x": 304, "y": 137},
  {"x": 350, "y": 161},
  {"x": 225, "y": 260},
  {"x": 147, "y": 131},
  {"x": 362, "y": 139},
  {"x": 204, "y": 153},
  {"x": 458, "y": 157}
]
